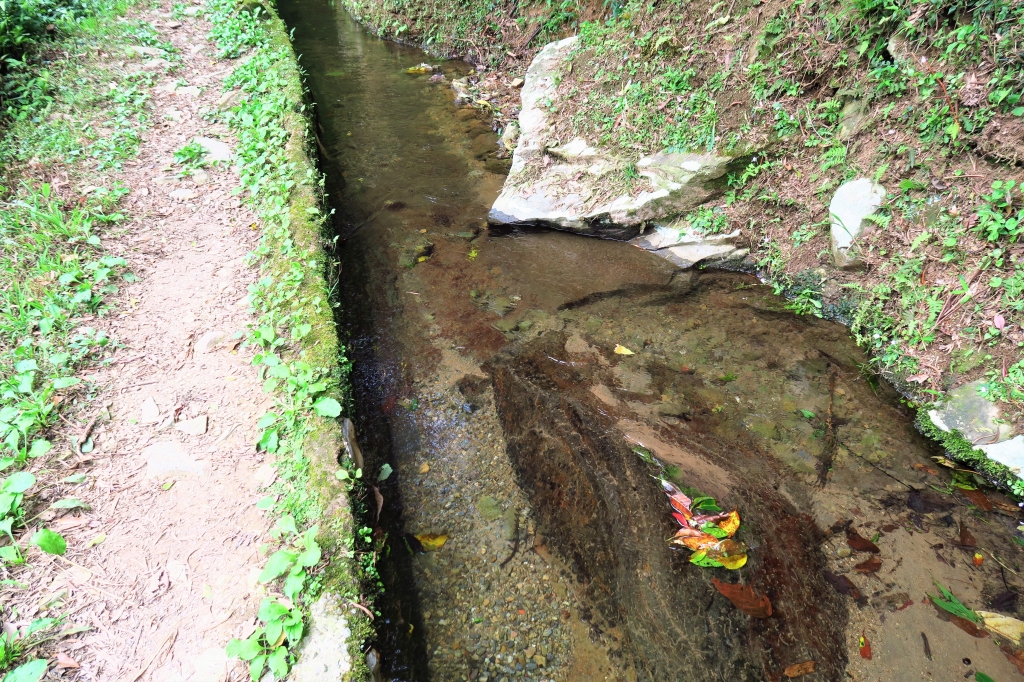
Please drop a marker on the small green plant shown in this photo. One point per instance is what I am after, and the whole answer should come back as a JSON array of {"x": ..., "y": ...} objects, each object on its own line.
[
  {"x": 268, "y": 646},
  {"x": 707, "y": 220},
  {"x": 997, "y": 217},
  {"x": 951, "y": 604},
  {"x": 191, "y": 158}
]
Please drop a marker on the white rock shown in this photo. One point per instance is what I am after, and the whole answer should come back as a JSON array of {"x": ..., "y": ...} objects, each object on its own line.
[
  {"x": 183, "y": 194},
  {"x": 852, "y": 203},
  {"x": 193, "y": 427},
  {"x": 216, "y": 150},
  {"x": 210, "y": 340},
  {"x": 168, "y": 457},
  {"x": 149, "y": 412},
  {"x": 211, "y": 665},
  {"x": 323, "y": 654}
]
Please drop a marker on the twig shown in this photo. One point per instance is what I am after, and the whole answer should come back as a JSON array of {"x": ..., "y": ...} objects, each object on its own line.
[
  {"x": 361, "y": 608},
  {"x": 84, "y": 436},
  {"x": 831, "y": 442},
  {"x": 515, "y": 545}
]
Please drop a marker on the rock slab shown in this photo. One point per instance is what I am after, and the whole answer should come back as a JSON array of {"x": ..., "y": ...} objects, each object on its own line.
[
  {"x": 977, "y": 419},
  {"x": 852, "y": 203},
  {"x": 562, "y": 185},
  {"x": 323, "y": 654}
]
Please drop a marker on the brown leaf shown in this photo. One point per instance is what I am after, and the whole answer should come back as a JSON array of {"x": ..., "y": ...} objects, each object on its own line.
[
  {"x": 870, "y": 566},
  {"x": 861, "y": 544},
  {"x": 799, "y": 669},
  {"x": 966, "y": 539},
  {"x": 843, "y": 585},
  {"x": 865, "y": 648},
  {"x": 744, "y": 598},
  {"x": 379, "y": 499},
  {"x": 1016, "y": 657},
  {"x": 65, "y": 661},
  {"x": 978, "y": 498},
  {"x": 967, "y": 626},
  {"x": 1011, "y": 509}
]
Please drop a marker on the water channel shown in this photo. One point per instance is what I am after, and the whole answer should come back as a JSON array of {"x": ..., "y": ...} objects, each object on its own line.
[{"x": 486, "y": 376}]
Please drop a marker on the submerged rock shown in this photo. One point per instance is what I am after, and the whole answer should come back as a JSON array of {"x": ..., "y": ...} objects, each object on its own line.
[
  {"x": 977, "y": 419},
  {"x": 563, "y": 186},
  {"x": 852, "y": 203},
  {"x": 686, "y": 247}
]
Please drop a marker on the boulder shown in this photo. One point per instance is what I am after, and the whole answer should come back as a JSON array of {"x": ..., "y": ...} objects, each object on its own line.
[
  {"x": 563, "y": 185},
  {"x": 686, "y": 247},
  {"x": 323, "y": 654},
  {"x": 852, "y": 203}
]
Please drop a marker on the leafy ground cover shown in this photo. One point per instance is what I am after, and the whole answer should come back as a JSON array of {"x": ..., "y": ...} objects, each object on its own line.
[{"x": 62, "y": 119}]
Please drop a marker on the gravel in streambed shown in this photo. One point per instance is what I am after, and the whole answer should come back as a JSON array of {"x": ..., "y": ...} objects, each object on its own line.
[{"x": 484, "y": 621}]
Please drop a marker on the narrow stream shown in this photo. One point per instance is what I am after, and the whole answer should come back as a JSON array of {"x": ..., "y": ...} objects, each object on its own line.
[{"x": 489, "y": 374}]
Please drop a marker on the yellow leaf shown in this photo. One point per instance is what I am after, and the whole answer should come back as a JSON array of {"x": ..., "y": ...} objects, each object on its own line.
[
  {"x": 424, "y": 468},
  {"x": 622, "y": 350},
  {"x": 733, "y": 562},
  {"x": 432, "y": 542},
  {"x": 731, "y": 523},
  {"x": 1010, "y": 628},
  {"x": 97, "y": 540}
]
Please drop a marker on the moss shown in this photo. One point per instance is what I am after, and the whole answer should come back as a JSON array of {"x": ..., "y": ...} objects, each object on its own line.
[
  {"x": 961, "y": 451},
  {"x": 322, "y": 442}
]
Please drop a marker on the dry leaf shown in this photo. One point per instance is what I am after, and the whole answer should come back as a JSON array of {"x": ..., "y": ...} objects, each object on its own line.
[
  {"x": 926, "y": 469},
  {"x": 431, "y": 542},
  {"x": 966, "y": 539},
  {"x": 1016, "y": 657},
  {"x": 65, "y": 661},
  {"x": 731, "y": 523},
  {"x": 999, "y": 322},
  {"x": 379, "y": 499},
  {"x": 865, "y": 648},
  {"x": 870, "y": 566},
  {"x": 424, "y": 468},
  {"x": 798, "y": 669},
  {"x": 843, "y": 585},
  {"x": 744, "y": 598},
  {"x": 622, "y": 350},
  {"x": 1010, "y": 628},
  {"x": 978, "y": 498},
  {"x": 861, "y": 544},
  {"x": 967, "y": 626}
]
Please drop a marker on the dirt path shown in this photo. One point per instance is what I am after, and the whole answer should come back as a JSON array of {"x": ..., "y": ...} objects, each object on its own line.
[{"x": 163, "y": 566}]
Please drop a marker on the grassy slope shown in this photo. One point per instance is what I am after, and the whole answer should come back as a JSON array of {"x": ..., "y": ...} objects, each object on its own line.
[{"x": 929, "y": 94}]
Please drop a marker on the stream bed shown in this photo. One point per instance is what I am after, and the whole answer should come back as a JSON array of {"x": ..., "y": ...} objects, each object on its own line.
[{"x": 490, "y": 374}]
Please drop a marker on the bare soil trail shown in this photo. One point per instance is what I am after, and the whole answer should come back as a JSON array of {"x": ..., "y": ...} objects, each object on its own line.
[{"x": 163, "y": 567}]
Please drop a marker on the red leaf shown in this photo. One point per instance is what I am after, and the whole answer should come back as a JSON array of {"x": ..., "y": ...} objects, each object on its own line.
[
  {"x": 870, "y": 566},
  {"x": 865, "y": 648},
  {"x": 843, "y": 585},
  {"x": 744, "y": 598},
  {"x": 978, "y": 498},
  {"x": 861, "y": 544},
  {"x": 1016, "y": 657}
]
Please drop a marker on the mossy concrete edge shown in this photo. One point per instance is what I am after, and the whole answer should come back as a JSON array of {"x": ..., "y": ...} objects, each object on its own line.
[{"x": 323, "y": 445}]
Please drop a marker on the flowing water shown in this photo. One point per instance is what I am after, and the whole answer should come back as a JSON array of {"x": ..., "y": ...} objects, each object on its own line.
[{"x": 486, "y": 373}]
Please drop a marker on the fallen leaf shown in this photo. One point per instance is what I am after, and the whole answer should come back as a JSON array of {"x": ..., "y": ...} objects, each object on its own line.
[
  {"x": 1007, "y": 507},
  {"x": 966, "y": 538},
  {"x": 865, "y": 647},
  {"x": 967, "y": 626},
  {"x": 870, "y": 566},
  {"x": 424, "y": 468},
  {"x": 926, "y": 469},
  {"x": 701, "y": 542},
  {"x": 1016, "y": 657},
  {"x": 979, "y": 499},
  {"x": 999, "y": 322},
  {"x": 731, "y": 523},
  {"x": 96, "y": 540},
  {"x": 733, "y": 562},
  {"x": 65, "y": 661},
  {"x": 744, "y": 598},
  {"x": 1010, "y": 628},
  {"x": 918, "y": 378},
  {"x": 843, "y": 585},
  {"x": 861, "y": 544},
  {"x": 978, "y": 559},
  {"x": 798, "y": 669},
  {"x": 431, "y": 542},
  {"x": 622, "y": 350},
  {"x": 379, "y": 499}
]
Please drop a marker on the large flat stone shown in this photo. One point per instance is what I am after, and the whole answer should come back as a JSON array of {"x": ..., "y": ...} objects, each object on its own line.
[
  {"x": 562, "y": 185},
  {"x": 168, "y": 457},
  {"x": 966, "y": 411}
]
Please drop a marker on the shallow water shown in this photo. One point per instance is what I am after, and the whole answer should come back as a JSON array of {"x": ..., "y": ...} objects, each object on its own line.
[{"x": 485, "y": 373}]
